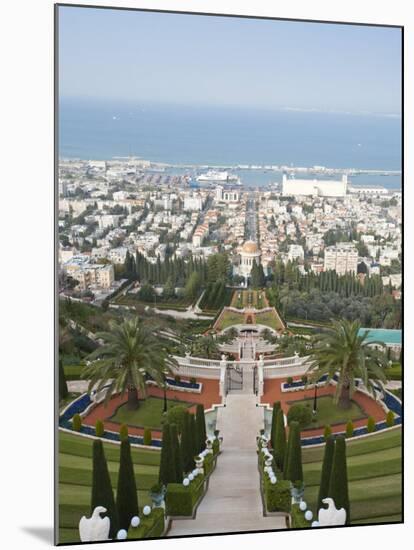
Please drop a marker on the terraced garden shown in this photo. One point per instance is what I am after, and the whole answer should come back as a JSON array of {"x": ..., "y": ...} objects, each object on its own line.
[
  {"x": 75, "y": 479},
  {"x": 374, "y": 476}
]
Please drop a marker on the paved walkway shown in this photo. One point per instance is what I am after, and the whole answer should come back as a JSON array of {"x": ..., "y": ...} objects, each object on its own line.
[{"x": 233, "y": 502}]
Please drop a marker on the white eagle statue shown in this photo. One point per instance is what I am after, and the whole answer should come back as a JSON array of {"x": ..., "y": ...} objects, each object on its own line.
[
  {"x": 330, "y": 515},
  {"x": 95, "y": 528}
]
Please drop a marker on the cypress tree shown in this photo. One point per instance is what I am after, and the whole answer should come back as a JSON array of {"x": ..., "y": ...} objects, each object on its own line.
[
  {"x": 276, "y": 407},
  {"x": 193, "y": 437},
  {"x": 326, "y": 471},
  {"x": 63, "y": 387},
  {"x": 338, "y": 486},
  {"x": 167, "y": 469},
  {"x": 176, "y": 453},
  {"x": 201, "y": 428},
  {"x": 186, "y": 444},
  {"x": 293, "y": 467},
  {"x": 279, "y": 450},
  {"x": 102, "y": 494},
  {"x": 126, "y": 495}
]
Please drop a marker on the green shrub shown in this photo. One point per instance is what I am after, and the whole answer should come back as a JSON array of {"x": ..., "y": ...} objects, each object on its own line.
[
  {"x": 180, "y": 500},
  {"x": 175, "y": 415},
  {"x": 177, "y": 378},
  {"x": 301, "y": 414},
  {"x": 99, "y": 428},
  {"x": 304, "y": 378},
  {"x": 327, "y": 431},
  {"x": 371, "y": 425},
  {"x": 208, "y": 464},
  {"x": 216, "y": 447},
  {"x": 150, "y": 526},
  {"x": 349, "y": 430},
  {"x": 289, "y": 380},
  {"x": 77, "y": 422},
  {"x": 277, "y": 497},
  {"x": 193, "y": 380},
  {"x": 390, "y": 419},
  {"x": 123, "y": 432},
  {"x": 297, "y": 518},
  {"x": 147, "y": 436}
]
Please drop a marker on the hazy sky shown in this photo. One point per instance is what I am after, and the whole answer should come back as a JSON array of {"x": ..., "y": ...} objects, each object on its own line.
[{"x": 132, "y": 55}]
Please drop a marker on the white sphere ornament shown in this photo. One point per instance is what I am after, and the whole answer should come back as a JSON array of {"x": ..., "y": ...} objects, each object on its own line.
[
  {"x": 146, "y": 510},
  {"x": 303, "y": 505},
  {"x": 186, "y": 482},
  {"x": 308, "y": 515},
  {"x": 273, "y": 480},
  {"x": 122, "y": 534},
  {"x": 191, "y": 477},
  {"x": 315, "y": 523},
  {"x": 135, "y": 521}
]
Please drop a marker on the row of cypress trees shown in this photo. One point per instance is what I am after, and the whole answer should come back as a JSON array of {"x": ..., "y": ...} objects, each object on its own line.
[
  {"x": 121, "y": 510},
  {"x": 288, "y": 458},
  {"x": 334, "y": 476},
  {"x": 286, "y": 453},
  {"x": 177, "y": 453}
]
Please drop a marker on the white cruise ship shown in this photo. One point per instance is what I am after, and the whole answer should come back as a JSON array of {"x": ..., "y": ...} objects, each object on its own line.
[{"x": 213, "y": 175}]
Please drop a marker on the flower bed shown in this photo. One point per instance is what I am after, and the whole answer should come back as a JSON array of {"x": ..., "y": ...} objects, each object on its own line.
[
  {"x": 151, "y": 526},
  {"x": 390, "y": 401},
  {"x": 180, "y": 385},
  {"x": 80, "y": 406}
]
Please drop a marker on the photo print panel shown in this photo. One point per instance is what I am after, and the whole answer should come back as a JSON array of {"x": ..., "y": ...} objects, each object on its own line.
[{"x": 229, "y": 268}]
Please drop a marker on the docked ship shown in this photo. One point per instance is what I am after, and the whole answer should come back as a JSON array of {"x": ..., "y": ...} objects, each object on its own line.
[{"x": 213, "y": 176}]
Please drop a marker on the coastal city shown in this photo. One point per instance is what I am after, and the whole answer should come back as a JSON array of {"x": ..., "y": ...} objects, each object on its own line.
[{"x": 108, "y": 209}]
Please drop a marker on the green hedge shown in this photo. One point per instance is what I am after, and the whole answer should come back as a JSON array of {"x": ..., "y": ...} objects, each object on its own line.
[
  {"x": 150, "y": 526},
  {"x": 216, "y": 447},
  {"x": 208, "y": 464},
  {"x": 277, "y": 497},
  {"x": 180, "y": 500},
  {"x": 297, "y": 518}
]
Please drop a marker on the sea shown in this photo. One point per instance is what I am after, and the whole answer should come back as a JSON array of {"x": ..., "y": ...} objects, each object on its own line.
[{"x": 231, "y": 136}]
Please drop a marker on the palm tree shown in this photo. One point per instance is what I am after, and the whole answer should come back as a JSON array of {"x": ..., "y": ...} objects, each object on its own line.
[
  {"x": 206, "y": 346},
  {"x": 129, "y": 353},
  {"x": 341, "y": 351}
]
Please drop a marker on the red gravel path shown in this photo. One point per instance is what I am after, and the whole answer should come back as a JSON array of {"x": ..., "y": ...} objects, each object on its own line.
[
  {"x": 208, "y": 397},
  {"x": 273, "y": 392}
]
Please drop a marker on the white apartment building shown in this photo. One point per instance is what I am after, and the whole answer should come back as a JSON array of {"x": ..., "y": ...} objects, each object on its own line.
[
  {"x": 223, "y": 195},
  {"x": 193, "y": 202},
  {"x": 314, "y": 187},
  {"x": 342, "y": 258},
  {"x": 108, "y": 220},
  {"x": 295, "y": 252},
  {"x": 87, "y": 275}
]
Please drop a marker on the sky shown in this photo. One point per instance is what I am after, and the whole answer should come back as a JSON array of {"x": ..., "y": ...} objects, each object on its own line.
[{"x": 221, "y": 61}]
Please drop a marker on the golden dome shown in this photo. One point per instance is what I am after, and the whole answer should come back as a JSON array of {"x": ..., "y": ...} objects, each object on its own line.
[{"x": 250, "y": 247}]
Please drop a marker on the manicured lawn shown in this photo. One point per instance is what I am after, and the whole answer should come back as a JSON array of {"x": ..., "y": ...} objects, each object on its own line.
[
  {"x": 329, "y": 413},
  {"x": 73, "y": 372},
  {"x": 148, "y": 414},
  {"x": 374, "y": 475},
  {"x": 230, "y": 318},
  {"x": 394, "y": 372},
  {"x": 269, "y": 319},
  {"x": 75, "y": 478}
]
